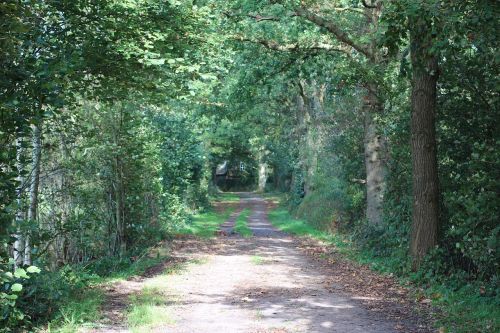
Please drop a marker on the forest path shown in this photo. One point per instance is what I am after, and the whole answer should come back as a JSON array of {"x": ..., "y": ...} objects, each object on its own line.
[{"x": 264, "y": 283}]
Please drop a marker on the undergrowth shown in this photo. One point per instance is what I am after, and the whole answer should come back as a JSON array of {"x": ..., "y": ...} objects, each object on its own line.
[{"x": 71, "y": 298}]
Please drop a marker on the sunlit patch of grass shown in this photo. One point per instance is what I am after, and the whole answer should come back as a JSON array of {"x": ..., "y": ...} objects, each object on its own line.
[
  {"x": 205, "y": 224},
  {"x": 82, "y": 308},
  {"x": 241, "y": 224},
  {"x": 148, "y": 310},
  {"x": 282, "y": 220},
  {"x": 257, "y": 260}
]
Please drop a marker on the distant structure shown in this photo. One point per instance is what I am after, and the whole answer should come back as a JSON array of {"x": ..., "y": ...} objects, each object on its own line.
[{"x": 229, "y": 175}]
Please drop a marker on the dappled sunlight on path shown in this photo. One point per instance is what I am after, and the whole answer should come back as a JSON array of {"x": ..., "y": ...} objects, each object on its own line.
[{"x": 262, "y": 284}]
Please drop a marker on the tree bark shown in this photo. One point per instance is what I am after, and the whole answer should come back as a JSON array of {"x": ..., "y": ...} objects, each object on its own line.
[
  {"x": 375, "y": 158},
  {"x": 424, "y": 235},
  {"x": 303, "y": 121},
  {"x": 18, "y": 248},
  {"x": 34, "y": 184},
  {"x": 311, "y": 104},
  {"x": 262, "y": 176}
]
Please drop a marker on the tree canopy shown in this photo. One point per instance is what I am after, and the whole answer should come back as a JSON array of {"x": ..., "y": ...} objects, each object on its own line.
[{"x": 375, "y": 119}]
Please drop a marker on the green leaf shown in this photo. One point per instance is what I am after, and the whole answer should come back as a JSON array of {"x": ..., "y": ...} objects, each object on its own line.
[
  {"x": 21, "y": 273},
  {"x": 156, "y": 62},
  {"x": 16, "y": 287},
  {"x": 33, "y": 269}
]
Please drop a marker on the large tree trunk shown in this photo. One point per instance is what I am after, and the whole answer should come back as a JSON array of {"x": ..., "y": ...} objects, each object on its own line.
[
  {"x": 375, "y": 158},
  {"x": 303, "y": 121},
  {"x": 34, "y": 183},
  {"x": 310, "y": 104},
  {"x": 18, "y": 248},
  {"x": 423, "y": 142}
]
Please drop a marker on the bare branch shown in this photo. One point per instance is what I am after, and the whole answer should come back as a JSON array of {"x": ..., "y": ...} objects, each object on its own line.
[
  {"x": 349, "y": 9},
  {"x": 259, "y": 18},
  {"x": 295, "y": 47},
  {"x": 256, "y": 17}
]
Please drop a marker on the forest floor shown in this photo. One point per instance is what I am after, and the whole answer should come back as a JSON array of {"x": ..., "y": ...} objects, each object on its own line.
[{"x": 265, "y": 282}]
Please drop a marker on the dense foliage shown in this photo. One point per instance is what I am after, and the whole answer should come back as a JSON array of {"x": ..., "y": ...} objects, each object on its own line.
[{"x": 114, "y": 116}]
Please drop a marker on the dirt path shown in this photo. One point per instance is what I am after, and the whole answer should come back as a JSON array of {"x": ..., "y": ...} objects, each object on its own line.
[{"x": 265, "y": 283}]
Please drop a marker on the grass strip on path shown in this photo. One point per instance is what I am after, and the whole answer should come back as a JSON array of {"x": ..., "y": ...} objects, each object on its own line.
[
  {"x": 241, "y": 224},
  {"x": 205, "y": 225}
]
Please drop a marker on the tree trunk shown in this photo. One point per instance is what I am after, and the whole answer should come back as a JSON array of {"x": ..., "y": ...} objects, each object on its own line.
[
  {"x": 18, "y": 248},
  {"x": 303, "y": 121},
  {"x": 423, "y": 142},
  {"x": 375, "y": 158},
  {"x": 119, "y": 205},
  {"x": 34, "y": 183},
  {"x": 310, "y": 105},
  {"x": 263, "y": 171}
]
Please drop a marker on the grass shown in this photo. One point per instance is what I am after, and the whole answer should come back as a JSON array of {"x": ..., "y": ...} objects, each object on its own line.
[
  {"x": 148, "y": 310},
  {"x": 463, "y": 309},
  {"x": 81, "y": 311},
  {"x": 282, "y": 220},
  {"x": 205, "y": 225},
  {"x": 225, "y": 197},
  {"x": 82, "y": 308},
  {"x": 257, "y": 260},
  {"x": 241, "y": 224}
]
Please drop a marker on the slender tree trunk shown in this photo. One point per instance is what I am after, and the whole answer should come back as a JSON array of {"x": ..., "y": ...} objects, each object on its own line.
[
  {"x": 18, "y": 248},
  {"x": 375, "y": 158},
  {"x": 424, "y": 234},
  {"x": 34, "y": 184},
  {"x": 60, "y": 255},
  {"x": 263, "y": 171},
  {"x": 119, "y": 218}
]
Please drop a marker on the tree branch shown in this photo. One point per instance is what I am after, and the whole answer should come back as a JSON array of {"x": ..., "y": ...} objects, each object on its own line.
[
  {"x": 273, "y": 45},
  {"x": 256, "y": 17},
  {"x": 340, "y": 34},
  {"x": 259, "y": 18}
]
